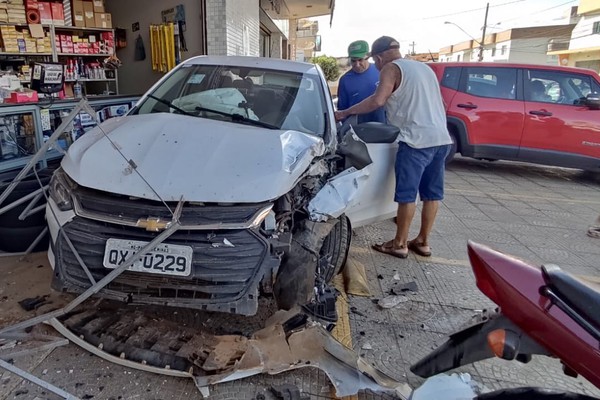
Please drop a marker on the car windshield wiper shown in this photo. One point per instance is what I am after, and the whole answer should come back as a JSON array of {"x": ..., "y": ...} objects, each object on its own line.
[
  {"x": 171, "y": 105},
  {"x": 239, "y": 118}
]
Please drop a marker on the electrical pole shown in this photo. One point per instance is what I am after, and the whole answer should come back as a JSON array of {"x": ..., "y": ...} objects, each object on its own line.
[
  {"x": 487, "y": 7},
  {"x": 413, "y": 48}
]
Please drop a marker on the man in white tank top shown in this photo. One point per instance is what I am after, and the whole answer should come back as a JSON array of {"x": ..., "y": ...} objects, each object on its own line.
[{"x": 410, "y": 92}]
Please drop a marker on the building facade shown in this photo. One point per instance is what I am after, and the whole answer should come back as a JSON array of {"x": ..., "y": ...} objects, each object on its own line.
[
  {"x": 583, "y": 48},
  {"x": 517, "y": 45}
]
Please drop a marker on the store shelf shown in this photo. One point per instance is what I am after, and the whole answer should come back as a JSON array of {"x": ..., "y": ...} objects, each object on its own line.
[
  {"x": 90, "y": 80},
  {"x": 84, "y": 55},
  {"x": 26, "y": 54},
  {"x": 55, "y": 108},
  {"x": 76, "y": 28}
]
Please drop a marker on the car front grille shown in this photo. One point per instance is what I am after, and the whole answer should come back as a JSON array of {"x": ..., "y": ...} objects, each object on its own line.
[
  {"x": 104, "y": 205},
  {"x": 223, "y": 278}
]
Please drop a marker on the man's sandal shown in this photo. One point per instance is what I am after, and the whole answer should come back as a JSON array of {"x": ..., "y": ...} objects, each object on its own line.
[
  {"x": 419, "y": 248},
  {"x": 388, "y": 248}
]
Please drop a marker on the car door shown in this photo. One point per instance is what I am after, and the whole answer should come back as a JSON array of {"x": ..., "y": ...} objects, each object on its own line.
[
  {"x": 364, "y": 190},
  {"x": 489, "y": 105},
  {"x": 559, "y": 128}
]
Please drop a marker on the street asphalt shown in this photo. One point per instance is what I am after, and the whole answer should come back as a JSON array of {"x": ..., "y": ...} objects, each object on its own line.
[{"x": 536, "y": 213}]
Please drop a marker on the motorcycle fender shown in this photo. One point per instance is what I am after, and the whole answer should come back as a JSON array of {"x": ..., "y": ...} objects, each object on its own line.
[{"x": 471, "y": 345}]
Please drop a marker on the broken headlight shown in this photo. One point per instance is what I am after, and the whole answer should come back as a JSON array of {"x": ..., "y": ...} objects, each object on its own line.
[{"x": 60, "y": 190}]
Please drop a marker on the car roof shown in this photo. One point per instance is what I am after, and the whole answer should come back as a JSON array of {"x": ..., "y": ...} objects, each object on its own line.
[
  {"x": 512, "y": 65},
  {"x": 259, "y": 62}
]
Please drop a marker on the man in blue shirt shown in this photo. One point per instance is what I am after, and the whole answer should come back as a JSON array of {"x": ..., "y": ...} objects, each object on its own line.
[{"x": 360, "y": 82}]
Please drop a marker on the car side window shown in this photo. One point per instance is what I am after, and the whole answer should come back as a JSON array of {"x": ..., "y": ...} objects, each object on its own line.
[
  {"x": 499, "y": 83},
  {"x": 451, "y": 77},
  {"x": 595, "y": 87},
  {"x": 556, "y": 86}
]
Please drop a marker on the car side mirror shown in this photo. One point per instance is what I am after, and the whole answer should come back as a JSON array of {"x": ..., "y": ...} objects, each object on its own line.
[
  {"x": 377, "y": 132},
  {"x": 592, "y": 100}
]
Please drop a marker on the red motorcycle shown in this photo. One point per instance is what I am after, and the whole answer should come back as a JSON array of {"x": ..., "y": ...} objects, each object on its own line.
[{"x": 541, "y": 311}]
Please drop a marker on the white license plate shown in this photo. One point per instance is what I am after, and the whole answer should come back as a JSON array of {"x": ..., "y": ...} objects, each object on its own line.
[{"x": 164, "y": 259}]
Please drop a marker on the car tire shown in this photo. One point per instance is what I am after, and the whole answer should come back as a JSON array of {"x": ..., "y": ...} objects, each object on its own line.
[
  {"x": 337, "y": 244},
  {"x": 453, "y": 148},
  {"x": 29, "y": 184},
  {"x": 295, "y": 283}
]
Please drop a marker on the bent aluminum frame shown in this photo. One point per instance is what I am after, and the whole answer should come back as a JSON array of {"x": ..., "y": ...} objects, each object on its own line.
[{"x": 83, "y": 105}]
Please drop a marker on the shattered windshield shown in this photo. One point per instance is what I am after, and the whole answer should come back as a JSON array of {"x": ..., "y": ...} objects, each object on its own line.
[{"x": 256, "y": 96}]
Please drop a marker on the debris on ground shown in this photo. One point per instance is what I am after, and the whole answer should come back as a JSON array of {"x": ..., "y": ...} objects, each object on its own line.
[
  {"x": 288, "y": 341},
  {"x": 392, "y": 301},
  {"x": 354, "y": 310},
  {"x": 287, "y": 392},
  {"x": 355, "y": 277},
  {"x": 34, "y": 303},
  {"x": 401, "y": 288},
  {"x": 448, "y": 387}
]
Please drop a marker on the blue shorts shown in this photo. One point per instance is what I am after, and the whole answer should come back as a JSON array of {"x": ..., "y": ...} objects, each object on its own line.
[{"x": 420, "y": 170}]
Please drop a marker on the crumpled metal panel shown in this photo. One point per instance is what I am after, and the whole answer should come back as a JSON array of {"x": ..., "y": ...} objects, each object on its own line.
[{"x": 288, "y": 341}]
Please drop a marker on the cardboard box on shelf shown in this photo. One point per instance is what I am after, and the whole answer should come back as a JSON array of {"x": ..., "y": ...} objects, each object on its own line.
[
  {"x": 58, "y": 14},
  {"x": 22, "y": 96},
  {"x": 99, "y": 6},
  {"x": 31, "y": 4},
  {"x": 103, "y": 20},
  {"x": 88, "y": 14},
  {"x": 45, "y": 10}
]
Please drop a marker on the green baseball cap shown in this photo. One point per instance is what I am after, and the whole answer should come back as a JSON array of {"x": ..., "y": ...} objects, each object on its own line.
[{"x": 358, "y": 49}]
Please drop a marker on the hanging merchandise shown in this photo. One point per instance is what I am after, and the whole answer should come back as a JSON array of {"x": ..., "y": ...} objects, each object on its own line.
[
  {"x": 140, "y": 51},
  {"x": 112, "y": 62},
  {"x": 162, "y": 44}
]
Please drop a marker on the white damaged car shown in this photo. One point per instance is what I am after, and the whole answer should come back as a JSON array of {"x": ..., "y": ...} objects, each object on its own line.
[{"x": 267, "y": 185}]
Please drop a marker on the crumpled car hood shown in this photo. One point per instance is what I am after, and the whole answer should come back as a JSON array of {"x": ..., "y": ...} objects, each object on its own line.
[{"x": 196, "y": 159}]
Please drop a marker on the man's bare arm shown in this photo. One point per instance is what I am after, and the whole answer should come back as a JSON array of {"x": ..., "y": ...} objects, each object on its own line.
[{"x": 389, "y": 80}]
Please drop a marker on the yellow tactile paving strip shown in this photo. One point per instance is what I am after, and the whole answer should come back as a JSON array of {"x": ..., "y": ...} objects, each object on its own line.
[{"x": 341, "y": 332}]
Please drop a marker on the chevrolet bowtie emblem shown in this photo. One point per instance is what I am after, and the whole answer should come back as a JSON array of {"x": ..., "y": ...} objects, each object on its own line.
[{"x": 153, "y": 224}]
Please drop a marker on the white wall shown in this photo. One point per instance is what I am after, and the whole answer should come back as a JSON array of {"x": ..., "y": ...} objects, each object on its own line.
[
  {"x": 531, "y": 51},
  {"x": 233, "y": 27},
  {"x": 582, "y": 35},
  {"x": 135, "y": 77}
]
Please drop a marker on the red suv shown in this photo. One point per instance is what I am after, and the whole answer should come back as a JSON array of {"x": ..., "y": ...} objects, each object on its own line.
[{"x": 534, "y": 113}]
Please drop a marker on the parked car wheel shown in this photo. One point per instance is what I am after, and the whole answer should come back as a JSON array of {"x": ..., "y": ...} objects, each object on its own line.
[{"x": 453, "y": 148}]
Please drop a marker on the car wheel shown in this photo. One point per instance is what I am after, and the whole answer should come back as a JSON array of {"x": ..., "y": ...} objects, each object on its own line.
[
  {"x": 453, "y": 148},
  {"x": 336, "y": 247},
  {"x": 296, "y": 277}
]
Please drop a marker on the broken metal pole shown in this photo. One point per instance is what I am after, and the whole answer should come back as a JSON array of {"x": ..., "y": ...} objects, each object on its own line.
[
  {"x": 33, "y": 379},
  {"x": 103, "y": 282},
  {"x": 23, "y": 200},
  {"x": 29, "y": 210},
  {"x": 83, "y": 105},
  {"x": 36, "y": 241}
]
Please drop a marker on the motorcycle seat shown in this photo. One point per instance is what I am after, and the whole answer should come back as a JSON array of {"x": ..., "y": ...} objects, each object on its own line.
[{"x": 582, "y": 296}]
